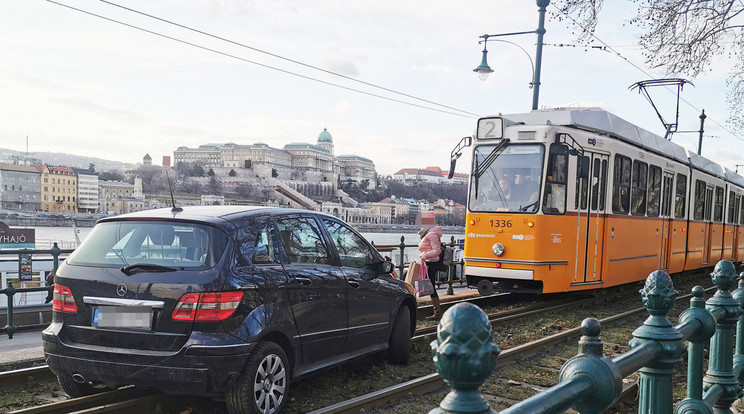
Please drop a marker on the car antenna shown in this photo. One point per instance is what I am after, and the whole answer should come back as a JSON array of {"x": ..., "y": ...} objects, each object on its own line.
[{"x": 170, "y": 187}]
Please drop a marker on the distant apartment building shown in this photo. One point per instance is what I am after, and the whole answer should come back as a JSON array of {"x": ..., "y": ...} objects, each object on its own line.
[
  {"x": 87, "y": 191},
  {"x": 118, "y": 197},
  {"x": 413, "y": 175},
  {"x": 58, "y": 190},
  {"x": 20, "y": 187},
  {"x": 433, "y": 175}
]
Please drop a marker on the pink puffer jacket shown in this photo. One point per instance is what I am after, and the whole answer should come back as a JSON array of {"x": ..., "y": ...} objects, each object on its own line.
[{"x": 430, "y": 245}]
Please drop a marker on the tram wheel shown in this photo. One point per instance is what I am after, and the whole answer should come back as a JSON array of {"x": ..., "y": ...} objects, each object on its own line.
[{"x": 485, "y": 287}]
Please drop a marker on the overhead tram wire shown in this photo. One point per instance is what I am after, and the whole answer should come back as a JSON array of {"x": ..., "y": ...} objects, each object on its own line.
[
  {"x": 465, "y": 114},
  {"x": 283, "y": 58},
  {"x": 609, "y": 49}
]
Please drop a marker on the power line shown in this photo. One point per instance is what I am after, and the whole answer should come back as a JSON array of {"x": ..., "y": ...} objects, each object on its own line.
[
  {"x": 609, "y": 49},
  {"x": 281, "y": 57},
  {"x": 261, "y": 64}
]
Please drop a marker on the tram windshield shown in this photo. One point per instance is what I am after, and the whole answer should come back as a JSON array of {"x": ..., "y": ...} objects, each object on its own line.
[{"x": 511, "y": 180}]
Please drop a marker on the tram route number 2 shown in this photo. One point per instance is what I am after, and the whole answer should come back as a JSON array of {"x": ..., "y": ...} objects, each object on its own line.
[{"x": 501, "y": 223}]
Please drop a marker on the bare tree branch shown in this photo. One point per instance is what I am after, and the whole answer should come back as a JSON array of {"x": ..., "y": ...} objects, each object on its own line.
[{"x": 682, "y": 37}]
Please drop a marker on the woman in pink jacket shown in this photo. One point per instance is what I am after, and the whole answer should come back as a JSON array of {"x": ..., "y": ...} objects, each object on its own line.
[{"x": 430, "y": 246}]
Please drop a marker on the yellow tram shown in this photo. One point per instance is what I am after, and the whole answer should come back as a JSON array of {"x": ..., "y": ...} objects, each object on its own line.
[{"x": 576, "y": 199}]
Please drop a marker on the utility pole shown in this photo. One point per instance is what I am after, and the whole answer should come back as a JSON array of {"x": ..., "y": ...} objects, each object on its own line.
[{"x": 702, "y": 123}]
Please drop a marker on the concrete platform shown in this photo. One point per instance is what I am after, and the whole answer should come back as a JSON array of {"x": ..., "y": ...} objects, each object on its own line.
[{"x": 25, "y": 346}]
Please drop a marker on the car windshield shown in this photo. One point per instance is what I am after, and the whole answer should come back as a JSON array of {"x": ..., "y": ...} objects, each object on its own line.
[
  {"x": 152, "y": 244},
  {"x": 511, "y": 182}
]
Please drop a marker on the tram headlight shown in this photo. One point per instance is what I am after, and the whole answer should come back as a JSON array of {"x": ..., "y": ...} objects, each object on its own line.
[{"x": 498, "y": 249}]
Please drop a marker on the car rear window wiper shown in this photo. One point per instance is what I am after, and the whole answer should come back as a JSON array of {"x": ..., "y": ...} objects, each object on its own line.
[{"x": 145, "y": 267}]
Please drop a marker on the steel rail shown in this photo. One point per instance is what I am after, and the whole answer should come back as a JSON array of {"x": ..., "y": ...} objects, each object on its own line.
[{"x": 434, "y": 381}]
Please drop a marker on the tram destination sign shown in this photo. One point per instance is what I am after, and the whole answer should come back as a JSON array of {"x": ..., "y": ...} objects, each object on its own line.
[{"x": 16, "y": 238}]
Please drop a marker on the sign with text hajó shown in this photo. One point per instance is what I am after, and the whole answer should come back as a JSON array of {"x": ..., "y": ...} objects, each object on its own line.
[{"x": 16, "y": 238}]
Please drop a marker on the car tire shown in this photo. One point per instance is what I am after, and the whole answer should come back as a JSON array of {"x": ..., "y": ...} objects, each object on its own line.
[
  {"x": 399, "y": 351},
  {"x": 267, "y": 365},
  {"x": 75, "y": 389}
]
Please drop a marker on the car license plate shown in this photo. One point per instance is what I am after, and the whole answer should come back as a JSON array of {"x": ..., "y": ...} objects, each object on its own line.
[{"x": 126, "y": 317}]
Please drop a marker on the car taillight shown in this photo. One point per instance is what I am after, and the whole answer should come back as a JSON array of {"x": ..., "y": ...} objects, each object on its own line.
[
  {"x": 209, "y": 306},
  {"x": 63, "y": 299}
]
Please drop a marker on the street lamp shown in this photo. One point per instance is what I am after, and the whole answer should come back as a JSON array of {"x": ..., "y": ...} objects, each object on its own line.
[{"x": 483, "y": 70}]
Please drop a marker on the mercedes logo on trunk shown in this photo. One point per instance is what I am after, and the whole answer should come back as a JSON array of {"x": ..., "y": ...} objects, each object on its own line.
[{"x": 121, "y": 290}]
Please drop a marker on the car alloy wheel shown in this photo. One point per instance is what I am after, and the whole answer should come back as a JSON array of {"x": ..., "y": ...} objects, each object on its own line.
[{"x": 270, "y": 384}]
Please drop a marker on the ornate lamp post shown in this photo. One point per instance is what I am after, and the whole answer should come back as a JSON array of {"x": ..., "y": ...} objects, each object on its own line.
[{"x": 484, "y": 70}]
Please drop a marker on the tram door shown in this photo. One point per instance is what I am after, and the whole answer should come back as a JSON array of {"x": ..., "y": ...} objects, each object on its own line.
[
  {"x": 667, "y": 188},
  {"x": 707, "y": 226},
  {"x": 590, "y": 203}
]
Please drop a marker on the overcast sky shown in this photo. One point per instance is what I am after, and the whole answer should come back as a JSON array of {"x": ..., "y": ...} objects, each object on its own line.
[{"x": 80, "y": 84}]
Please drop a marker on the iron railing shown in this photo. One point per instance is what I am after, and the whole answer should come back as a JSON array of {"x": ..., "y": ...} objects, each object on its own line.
[
  {"x": 10, "y": 291},
  {"x": 454, "y": 274},
  {"x": 590, "y": 382}
]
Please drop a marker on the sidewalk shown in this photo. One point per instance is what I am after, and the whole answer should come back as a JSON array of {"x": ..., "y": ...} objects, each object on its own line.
[
  {"x": 25, "y": 346},
  {"x": 459, "y": 293}
]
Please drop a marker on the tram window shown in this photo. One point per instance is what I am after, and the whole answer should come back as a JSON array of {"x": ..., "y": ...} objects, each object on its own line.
[
  {"x": 621, "y": 185},
  {"x": 732, "y": 202},
  {"x": 680, "y": 196},
  {"x": 582, "y": 184},
  {"x": 556, "y": 178},
  {"x": 654, "y": 190},
  {"x": 698, "y": 213},
  {"x": 741, "y": 215},
  {"x": 718, "y": 205},
  {"x": 638, "y": 188}
]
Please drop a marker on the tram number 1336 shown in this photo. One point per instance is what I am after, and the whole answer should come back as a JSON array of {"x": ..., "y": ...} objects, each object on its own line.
[{"x": 501, "y": 223}]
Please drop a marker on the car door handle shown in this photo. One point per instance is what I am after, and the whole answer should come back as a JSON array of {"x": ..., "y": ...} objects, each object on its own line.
[
  {"x": 304, "y": 281},
  {"x": 353, "y": 283}
]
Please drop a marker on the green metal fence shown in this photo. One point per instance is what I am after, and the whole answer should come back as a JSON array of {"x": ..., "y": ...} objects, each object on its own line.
[
  {"x": 10, "y": 291},
  {"x": 590, "y": 382}
]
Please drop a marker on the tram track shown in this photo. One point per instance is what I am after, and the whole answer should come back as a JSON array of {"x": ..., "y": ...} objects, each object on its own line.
[{"x": 417, "y": 386}]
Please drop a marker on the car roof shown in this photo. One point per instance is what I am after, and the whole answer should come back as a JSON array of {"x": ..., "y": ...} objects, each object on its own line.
[{"x": 209, "y": 214}]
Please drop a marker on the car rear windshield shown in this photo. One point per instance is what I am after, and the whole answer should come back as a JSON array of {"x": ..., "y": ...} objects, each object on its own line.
[{"x": 158, "y": 243}]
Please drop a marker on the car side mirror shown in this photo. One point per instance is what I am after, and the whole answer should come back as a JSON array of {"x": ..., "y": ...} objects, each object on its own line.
[{"x": 386, "y": 267}]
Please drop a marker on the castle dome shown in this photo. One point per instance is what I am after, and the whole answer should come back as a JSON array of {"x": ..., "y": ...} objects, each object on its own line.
[{"x": 325, "y": 136}]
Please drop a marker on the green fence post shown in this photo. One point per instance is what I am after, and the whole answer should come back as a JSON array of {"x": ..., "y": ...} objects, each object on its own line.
[
  {"x": 464, "y": 355},
  {"x": 655, "y": 387},
  {"x": 55, "y": 250},
  {"x": 10, "y": 291},
  {"x": 695, "y": 353},
  {"x": 402, "y": 264},
  {"x": 739, "y": 355},
  {"x": 604, "y": 374},
  {"x": 721, "y": 359},
  {"x": 450, "y": 280}
]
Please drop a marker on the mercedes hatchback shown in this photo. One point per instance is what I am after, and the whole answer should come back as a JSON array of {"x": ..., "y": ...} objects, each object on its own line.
[{"x": 223, "y": 302}]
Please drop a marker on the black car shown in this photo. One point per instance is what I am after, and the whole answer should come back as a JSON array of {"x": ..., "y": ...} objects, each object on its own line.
[{"x": 224, "y": 302}]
